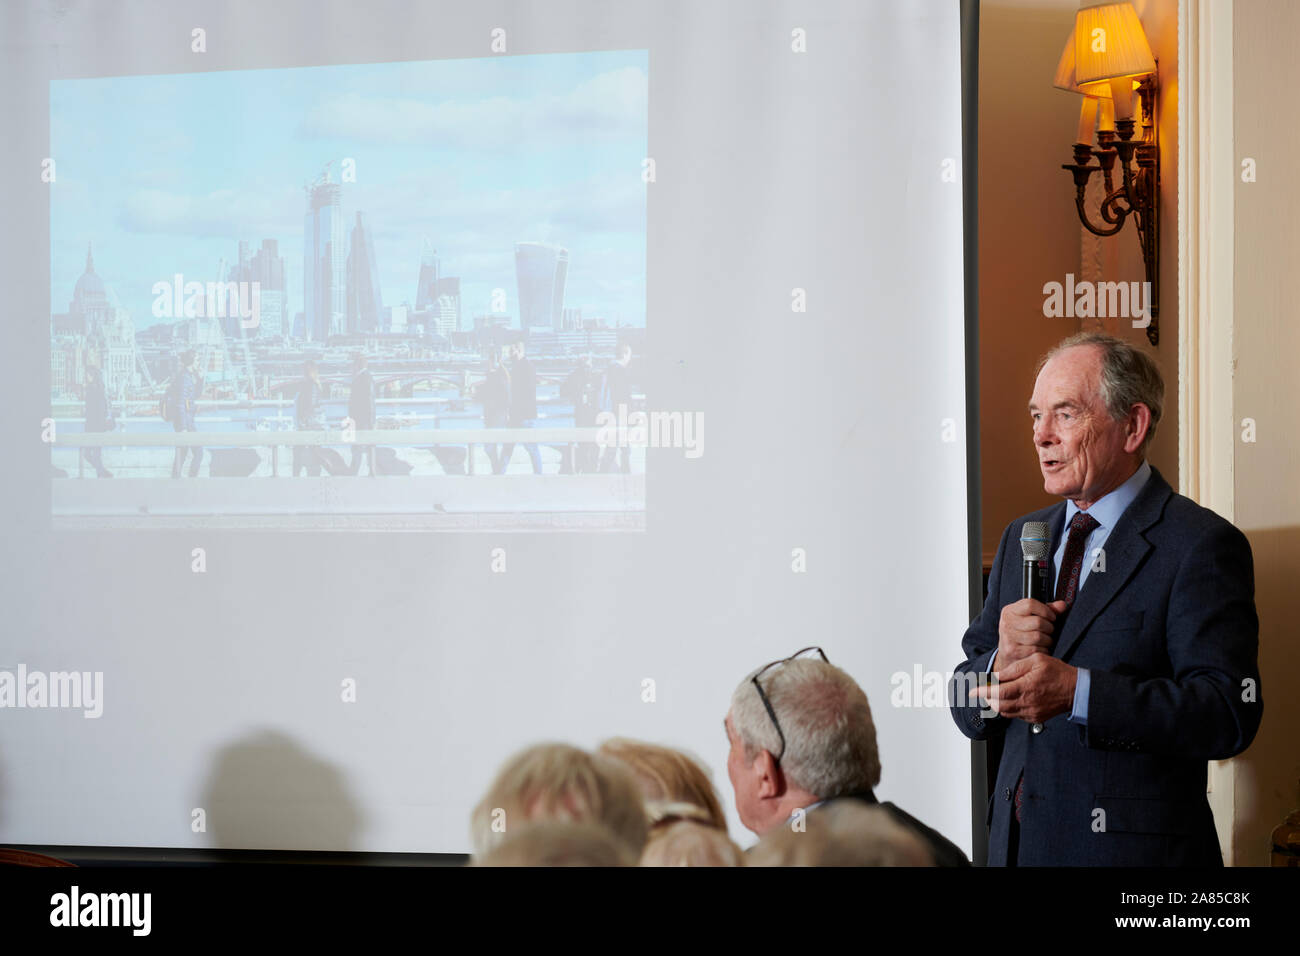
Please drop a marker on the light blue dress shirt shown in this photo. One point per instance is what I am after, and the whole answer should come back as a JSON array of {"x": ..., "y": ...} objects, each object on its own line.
[{"x": 1106, "y": 511}]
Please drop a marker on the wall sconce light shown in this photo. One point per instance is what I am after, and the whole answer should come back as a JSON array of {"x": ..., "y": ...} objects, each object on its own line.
[{"x": 1108, "y": 59}]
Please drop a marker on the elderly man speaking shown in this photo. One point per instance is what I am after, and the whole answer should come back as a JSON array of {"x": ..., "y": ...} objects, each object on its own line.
[{"x": 1112, "y": 697}]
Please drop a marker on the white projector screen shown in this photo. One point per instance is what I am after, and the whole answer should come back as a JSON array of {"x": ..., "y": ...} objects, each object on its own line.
[{"x": 760, "y": 202}]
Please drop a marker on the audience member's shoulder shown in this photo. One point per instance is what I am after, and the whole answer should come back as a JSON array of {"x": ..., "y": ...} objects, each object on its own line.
[
  {"x": 944, "y": 851},
  {"x": 843, "y": 833}
]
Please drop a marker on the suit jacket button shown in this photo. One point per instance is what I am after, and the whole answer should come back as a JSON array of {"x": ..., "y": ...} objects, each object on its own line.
[
  {"x": 1038, "y": 728},
  {"x": 1006, "y": 793}
]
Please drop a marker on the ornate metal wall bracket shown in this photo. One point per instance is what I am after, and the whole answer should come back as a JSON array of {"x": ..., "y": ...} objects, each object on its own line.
[{"x": 1137, "y": 194}]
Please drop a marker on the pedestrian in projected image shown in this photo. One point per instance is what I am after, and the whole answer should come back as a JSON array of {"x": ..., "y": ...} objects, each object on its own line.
[
  {"x": 361, "y": 409},
  {"x": 99, "y": 418},
  {"x": 494, "y": 393},
  {"x": 307, "y": 419},
  {"x": 523, "y": 405},
  {"x": 582, "y": 388},
  {"x": 188, "y": 388},
  {"x": 616, "y": 393}
]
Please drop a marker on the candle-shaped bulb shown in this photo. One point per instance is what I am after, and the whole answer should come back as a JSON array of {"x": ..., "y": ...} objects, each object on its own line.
[
  {"x": 1106, "y": 115},
  {"x": 1087, "y": 120}
]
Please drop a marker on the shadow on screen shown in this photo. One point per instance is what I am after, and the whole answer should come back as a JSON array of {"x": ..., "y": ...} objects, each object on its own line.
[{"x": 267, "y": 792}]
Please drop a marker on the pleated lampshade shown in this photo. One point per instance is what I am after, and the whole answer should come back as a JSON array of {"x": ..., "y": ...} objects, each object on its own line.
[
  {"x": 1119, "y": 49},
  {"x": 1066, "y": 79}
]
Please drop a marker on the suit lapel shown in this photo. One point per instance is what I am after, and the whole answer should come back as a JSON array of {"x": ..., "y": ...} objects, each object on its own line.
[{"x": 1124, "y": 550}]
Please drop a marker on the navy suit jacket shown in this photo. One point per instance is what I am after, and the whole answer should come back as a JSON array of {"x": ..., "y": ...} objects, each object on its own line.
[{"x": 1169, "y": 633}]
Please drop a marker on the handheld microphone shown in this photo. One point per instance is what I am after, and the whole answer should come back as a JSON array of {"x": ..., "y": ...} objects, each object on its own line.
[{"x": 1034, "y": 542}]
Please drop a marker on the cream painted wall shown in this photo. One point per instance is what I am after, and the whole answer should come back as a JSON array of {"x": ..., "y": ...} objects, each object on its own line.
[
  {"x": 1029, "y": 234},
  {"x": 1266, "y": 339}
]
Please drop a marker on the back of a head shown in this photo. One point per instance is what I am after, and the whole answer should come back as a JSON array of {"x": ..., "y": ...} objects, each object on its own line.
[
  {"x": 664, "y": 774},
  {"x": 557, "y": 782},
  {"x": 690, "y": 843},
  {"x": 552, "y": 843},
  {"x": 830, "y": 737},
  {"x": 844, "y": 833}
]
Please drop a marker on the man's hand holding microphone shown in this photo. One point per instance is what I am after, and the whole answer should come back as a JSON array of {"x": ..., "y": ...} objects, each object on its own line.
[{"x": 1029, "y": 683}]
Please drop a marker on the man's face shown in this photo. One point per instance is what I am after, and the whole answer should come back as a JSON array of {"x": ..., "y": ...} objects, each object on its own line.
[
  {"x": 744, "y": 781},
  {"x": 1081, "y": 449}
]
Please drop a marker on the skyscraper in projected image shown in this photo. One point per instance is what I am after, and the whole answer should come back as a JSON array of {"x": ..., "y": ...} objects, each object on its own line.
[
  {"x": 323, "y": 260},
  {"x": 365, "y": 301},
  {"x": 433, "y": 287},
  {"x": 540, "y": 270},
  {"x": 426, "y": 288}
]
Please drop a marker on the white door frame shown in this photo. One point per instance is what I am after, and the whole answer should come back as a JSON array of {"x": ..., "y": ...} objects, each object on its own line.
[{"x": 1207, "y": 176}]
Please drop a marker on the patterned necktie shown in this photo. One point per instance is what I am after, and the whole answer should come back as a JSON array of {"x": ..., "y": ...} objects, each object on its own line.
[{"x": 1067, "y": 585}]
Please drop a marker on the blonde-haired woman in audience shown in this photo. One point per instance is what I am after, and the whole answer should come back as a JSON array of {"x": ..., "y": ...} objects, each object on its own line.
[
  {"x": 681, "y": 834},
  {"x": 664, "y": 774},
  {"x": 559, "y": 783},
  {"x": 551, "y": 843}
]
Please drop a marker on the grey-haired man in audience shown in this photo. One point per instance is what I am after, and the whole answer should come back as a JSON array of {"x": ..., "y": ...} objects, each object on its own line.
[{"x": 801, "y": 737}]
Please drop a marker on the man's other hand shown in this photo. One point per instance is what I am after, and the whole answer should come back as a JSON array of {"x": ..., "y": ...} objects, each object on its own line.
[{"x": 1034, "y": 689}]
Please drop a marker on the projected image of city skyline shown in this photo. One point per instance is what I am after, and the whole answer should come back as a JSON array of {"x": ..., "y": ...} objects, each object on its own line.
[{"x": 244, "y": 239}]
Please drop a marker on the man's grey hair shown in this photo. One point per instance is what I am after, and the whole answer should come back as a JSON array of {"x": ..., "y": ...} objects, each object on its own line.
[
  {"x": 1128, "y": 376},
  {"x": 830, "y": 738}
]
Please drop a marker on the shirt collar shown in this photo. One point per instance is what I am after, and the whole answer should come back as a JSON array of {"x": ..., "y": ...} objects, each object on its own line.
[
  {"x": 811, "y": 806},
  {"x": 1107, "y": 509},
  {"x": 869, "y": 796}
]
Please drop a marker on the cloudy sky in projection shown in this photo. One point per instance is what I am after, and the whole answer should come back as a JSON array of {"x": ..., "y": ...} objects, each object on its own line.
[{"x": 165, "y": 174}]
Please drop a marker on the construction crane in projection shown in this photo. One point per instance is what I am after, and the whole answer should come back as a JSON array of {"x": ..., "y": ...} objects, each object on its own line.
[
  {"x": 145, "y": 375},
  {"x": 249, "y": 385},
  {"x": 209, "y": 334},
  {"x": 212, "y": 337},
  {"x": 309, "y": 189}
]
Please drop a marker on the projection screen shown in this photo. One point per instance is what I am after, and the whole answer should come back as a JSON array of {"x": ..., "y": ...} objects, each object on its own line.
[{"x": 391, "y": 386}]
